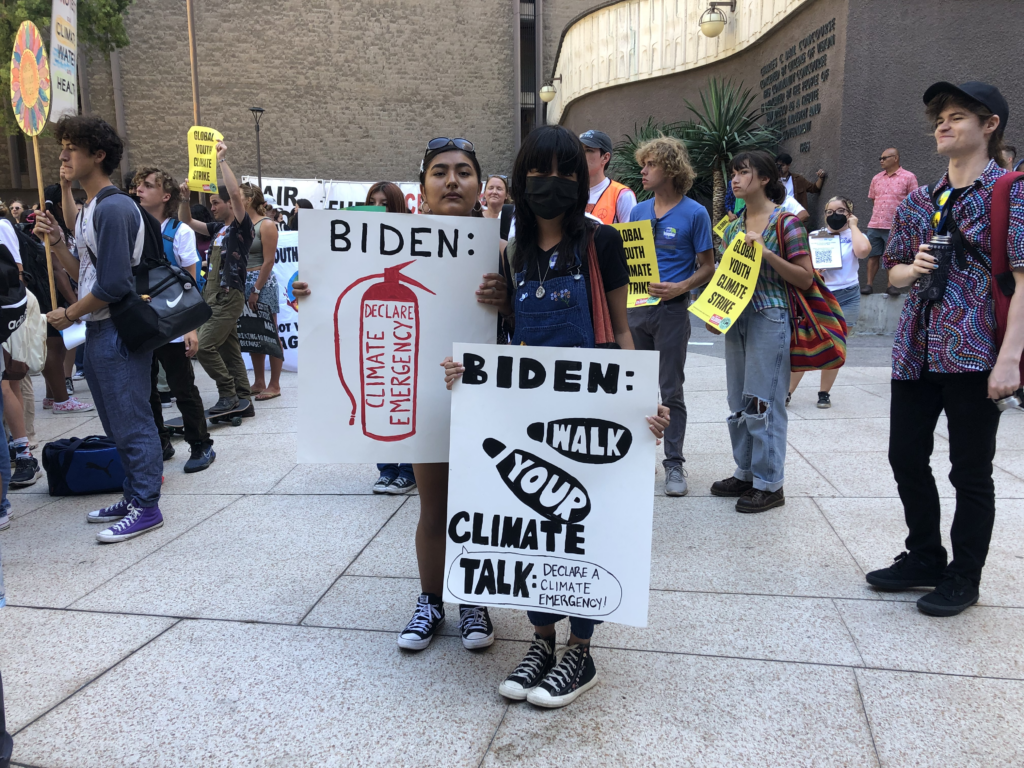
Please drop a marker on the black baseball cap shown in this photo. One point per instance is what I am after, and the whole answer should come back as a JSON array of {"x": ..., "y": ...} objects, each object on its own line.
[
  {"x": 983, "y": 93},
  {"x": 597, "y": 140}
]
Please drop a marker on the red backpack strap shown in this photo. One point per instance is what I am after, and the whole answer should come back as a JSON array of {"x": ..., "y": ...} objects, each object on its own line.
[{"x": 1002, "y": 275}]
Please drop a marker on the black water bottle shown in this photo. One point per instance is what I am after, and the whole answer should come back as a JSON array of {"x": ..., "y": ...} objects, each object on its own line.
[{"x": 932, "y": 287}]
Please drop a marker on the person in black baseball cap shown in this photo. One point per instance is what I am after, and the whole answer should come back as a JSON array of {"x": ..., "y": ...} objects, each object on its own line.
[
  {"x": 947, "y": 355},
  {"x": 972, "y": 95},
  {"x": 609, "y": 201}
]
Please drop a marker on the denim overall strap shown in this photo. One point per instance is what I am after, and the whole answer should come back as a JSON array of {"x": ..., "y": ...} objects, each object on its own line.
[{"x": 559, "y": 318}]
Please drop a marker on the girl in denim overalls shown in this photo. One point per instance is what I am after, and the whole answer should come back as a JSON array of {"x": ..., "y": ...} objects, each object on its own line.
[{"x": 551, "y": 306}]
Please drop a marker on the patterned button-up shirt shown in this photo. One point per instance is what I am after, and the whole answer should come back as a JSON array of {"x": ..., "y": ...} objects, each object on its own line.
[
  {"x": 958, "y": 335},
  {"x": 770, "y": 290},
  {"x": 888, "y": 192}
]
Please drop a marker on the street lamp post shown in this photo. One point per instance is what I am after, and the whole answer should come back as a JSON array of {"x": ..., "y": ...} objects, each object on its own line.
[{"x": 257, "y": 113}]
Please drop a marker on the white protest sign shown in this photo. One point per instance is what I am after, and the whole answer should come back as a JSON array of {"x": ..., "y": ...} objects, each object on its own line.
[
  {"x": 331, "y": 195},
  {"x": 551, "y": 488},
  {"x": 826, "y": 250},
  {"x": 390, "y": 294},
  {"x": 64, "y": 59},
  {"x": 286, "y": 270}
]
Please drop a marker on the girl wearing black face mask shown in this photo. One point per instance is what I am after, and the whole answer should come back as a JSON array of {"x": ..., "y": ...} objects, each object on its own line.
[
  {"x": 554, "y": 305},
  {"x": 843, "y": 281}
]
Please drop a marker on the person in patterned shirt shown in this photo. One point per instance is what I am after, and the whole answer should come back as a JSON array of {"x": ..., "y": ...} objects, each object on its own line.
[
  {"x": 757, "y": 348},
  {"x": 944, "y": 355}
]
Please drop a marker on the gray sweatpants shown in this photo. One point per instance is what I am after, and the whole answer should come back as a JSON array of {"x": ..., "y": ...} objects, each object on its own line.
[{"x": 666, "y": 328}]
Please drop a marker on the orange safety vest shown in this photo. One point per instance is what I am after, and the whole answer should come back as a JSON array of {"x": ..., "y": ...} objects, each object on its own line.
[{"x": 604, "y": 208}]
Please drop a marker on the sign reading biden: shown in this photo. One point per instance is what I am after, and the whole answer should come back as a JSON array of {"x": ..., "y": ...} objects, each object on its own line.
[{"x": 551, "y": 493}]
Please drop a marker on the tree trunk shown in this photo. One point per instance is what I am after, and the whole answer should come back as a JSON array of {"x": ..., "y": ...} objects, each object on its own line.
[{"x": 718, "y": 197}]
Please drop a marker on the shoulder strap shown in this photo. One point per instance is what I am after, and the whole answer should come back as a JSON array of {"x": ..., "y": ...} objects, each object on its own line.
[{"x": 602, "y": 318}]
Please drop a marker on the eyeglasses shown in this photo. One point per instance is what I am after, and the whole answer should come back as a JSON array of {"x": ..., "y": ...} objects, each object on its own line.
[
  {"x": 840, "y": 211},
  {"x": 886, "y": 157},
  {"x": 441, "y": 142}
]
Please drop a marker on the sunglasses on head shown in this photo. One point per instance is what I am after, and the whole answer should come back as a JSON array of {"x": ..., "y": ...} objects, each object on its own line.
[{"x": 442, "y": 141}]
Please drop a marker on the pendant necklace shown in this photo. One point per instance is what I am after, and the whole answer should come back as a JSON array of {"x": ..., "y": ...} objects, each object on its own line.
[{"x": 540, "y": 288}]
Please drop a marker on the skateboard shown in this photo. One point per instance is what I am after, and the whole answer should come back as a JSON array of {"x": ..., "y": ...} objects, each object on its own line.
[{"x": 241, "y": 411}]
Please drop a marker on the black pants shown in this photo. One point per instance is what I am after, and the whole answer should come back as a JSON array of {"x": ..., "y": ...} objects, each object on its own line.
[
  {"x": 973, "y": 421},
  {"x": 182, "y": 383}
]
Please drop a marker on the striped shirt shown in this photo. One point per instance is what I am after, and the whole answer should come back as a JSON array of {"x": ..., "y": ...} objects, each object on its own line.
[
  {"x": 770, "y": 290},
  {"x": 888, "y": 192},
  {"x": 959, "y": 334}
]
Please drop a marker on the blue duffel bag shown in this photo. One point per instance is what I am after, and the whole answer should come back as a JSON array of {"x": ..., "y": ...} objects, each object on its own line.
[{"x": 79, "y": 465}]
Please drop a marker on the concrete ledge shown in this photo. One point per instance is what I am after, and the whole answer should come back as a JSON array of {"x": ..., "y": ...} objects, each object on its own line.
[{"x": 879, "y": 314}]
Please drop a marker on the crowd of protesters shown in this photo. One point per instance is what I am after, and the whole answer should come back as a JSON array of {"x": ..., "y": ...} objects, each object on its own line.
[{"x": 951, "y": 354}]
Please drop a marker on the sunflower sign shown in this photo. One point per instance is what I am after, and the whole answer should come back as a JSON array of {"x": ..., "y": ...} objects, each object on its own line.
[{"x": 30, "y": 79}]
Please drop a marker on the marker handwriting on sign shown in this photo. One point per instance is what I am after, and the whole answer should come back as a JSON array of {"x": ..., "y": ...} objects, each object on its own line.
[
  {"x": 566, "y": 376},
  {"x": 387, "y": 240},
  {"x": 547, "y": 490}
]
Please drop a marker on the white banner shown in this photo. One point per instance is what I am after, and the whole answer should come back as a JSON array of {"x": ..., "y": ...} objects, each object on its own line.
[
  {"x": 331, "y": 195},
  {"x": 551, "y": 488},
  {"x": 286, "y": 270},
  {"x": 64, "y": 59},
  {"x": 390, "y": 294}
]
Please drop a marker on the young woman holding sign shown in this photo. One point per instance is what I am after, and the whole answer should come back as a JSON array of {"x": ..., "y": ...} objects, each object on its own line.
[
  {"x": 757, "y": 346},
  {"x": 844, "y": 281},
  {"x": 553, "y": 256},
  {"x": 450, "y": 182}
]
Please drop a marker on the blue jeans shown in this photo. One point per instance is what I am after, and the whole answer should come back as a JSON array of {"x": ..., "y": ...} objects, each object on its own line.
[
  {"x": 5, "y": 462},
  {"x": 119, "y": 384},
  {"x": 396, "y": 470},
  {"x": 582, "y": 628},
  {"x": 757, "y": 379},
  {"x": 849, "y": 302}
]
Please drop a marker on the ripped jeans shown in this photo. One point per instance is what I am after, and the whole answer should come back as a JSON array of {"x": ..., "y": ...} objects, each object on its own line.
[{"x": 757, "y": 379}]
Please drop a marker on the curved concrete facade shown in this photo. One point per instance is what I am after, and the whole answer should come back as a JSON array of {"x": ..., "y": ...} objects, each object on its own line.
[{"x": 857, "y": 91}]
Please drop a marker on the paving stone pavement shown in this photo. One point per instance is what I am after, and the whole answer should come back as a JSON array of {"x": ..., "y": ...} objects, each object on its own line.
[{"x": 257, "y": 627}]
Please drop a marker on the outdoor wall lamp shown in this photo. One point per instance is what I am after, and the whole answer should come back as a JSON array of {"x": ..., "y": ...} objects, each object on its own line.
[
  {"x": 712, "y": 21},
  {"x": 547, "y": 93}
]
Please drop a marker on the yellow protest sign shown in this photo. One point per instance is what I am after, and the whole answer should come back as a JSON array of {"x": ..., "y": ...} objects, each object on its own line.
[
  {"x": 732, "y": 285},
  {"x": 642, "y": 261},
  {"x": 719, "y": 228},
  {"x": 202, "y": 159}
]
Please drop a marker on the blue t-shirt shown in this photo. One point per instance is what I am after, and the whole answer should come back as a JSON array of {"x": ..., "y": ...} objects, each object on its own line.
[{"x": 679, "y": 236}]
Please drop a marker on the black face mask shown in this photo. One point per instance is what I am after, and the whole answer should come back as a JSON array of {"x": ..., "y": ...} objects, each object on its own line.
[
  {"x": 836, "y": 221},
  {"x": 551, "y": 196}
]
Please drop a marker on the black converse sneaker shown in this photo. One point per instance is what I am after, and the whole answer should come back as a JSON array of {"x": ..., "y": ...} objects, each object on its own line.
[
  {"x": 572, "y": 675},
  {"x": 531, "y": 670},
  {"x": 424, "y": 623},
  {"x": 475, "y": 626}
]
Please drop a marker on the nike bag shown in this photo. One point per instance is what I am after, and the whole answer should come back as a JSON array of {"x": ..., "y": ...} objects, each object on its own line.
[{"x": 78, "y": 466}]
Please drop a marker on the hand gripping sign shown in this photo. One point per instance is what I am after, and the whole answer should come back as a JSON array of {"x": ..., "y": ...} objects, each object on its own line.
[
  {"x": 551, "y": 496},
  {"x": 391, "y": 292},
  {"x": 641, "y": 261},
  {"x": 732, "y": 285}
]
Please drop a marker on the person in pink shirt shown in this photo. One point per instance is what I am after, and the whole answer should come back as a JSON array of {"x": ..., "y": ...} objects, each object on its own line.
[{"x": 887, "y": 190}]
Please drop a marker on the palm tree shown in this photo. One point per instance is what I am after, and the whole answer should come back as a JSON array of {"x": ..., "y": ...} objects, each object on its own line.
[{"x": 727, "y": 124}]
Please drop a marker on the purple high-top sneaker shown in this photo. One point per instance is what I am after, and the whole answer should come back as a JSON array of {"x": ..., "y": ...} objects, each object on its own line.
[
  {"x": 110, "y": 514},
  {"x": 138, "y": 521}
]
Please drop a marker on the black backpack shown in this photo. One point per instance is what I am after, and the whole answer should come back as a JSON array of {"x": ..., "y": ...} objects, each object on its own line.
[
  {"x": 13, "y": 296},
  {"x": 33, "y": 263}
]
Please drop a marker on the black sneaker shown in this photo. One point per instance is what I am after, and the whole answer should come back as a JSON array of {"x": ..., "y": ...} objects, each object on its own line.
[
  {"x": 824, "y": 401},
  {"x": 201, "y": 458},
  {"x": 424, "y": 623},
  {"x": 573, "y": 675},
  {"x": 26, "y": 472},
  {"x": 789, "y": 399},
  {"x": 223, "y": 405},
  {"x": 381, "y": 486},
  {"x": 400, "y": 485},
  {"x": 731, "y": 487},
  {"x": 69, "y": 386},
  {"x": 14, "y": 453},
  {"x": 756, "y": 500},
  {"x": 906, "y": 572},
  {"x": 168, "y": 451},
  {"x": 475, "y": 626},
  {"x": 954, "y": 595},
  {"x": 534, "y": 667}
]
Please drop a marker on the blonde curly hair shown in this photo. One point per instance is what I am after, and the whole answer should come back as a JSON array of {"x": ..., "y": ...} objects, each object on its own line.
[{"x": 669, "y": 154}]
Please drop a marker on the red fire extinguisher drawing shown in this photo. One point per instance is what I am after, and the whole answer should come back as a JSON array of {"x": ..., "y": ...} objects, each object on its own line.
[{"x": 389, "y": 349}]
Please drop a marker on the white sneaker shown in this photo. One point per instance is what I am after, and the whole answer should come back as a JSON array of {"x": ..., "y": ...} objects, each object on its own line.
[{"x": 73, "y": 405}]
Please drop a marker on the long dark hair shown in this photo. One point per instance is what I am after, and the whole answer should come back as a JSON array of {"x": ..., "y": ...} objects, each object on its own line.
[
  {"x": 536, "y": 153},
  {"x": 395, "y": 199},
  {"x": 763, "y": 164}
]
